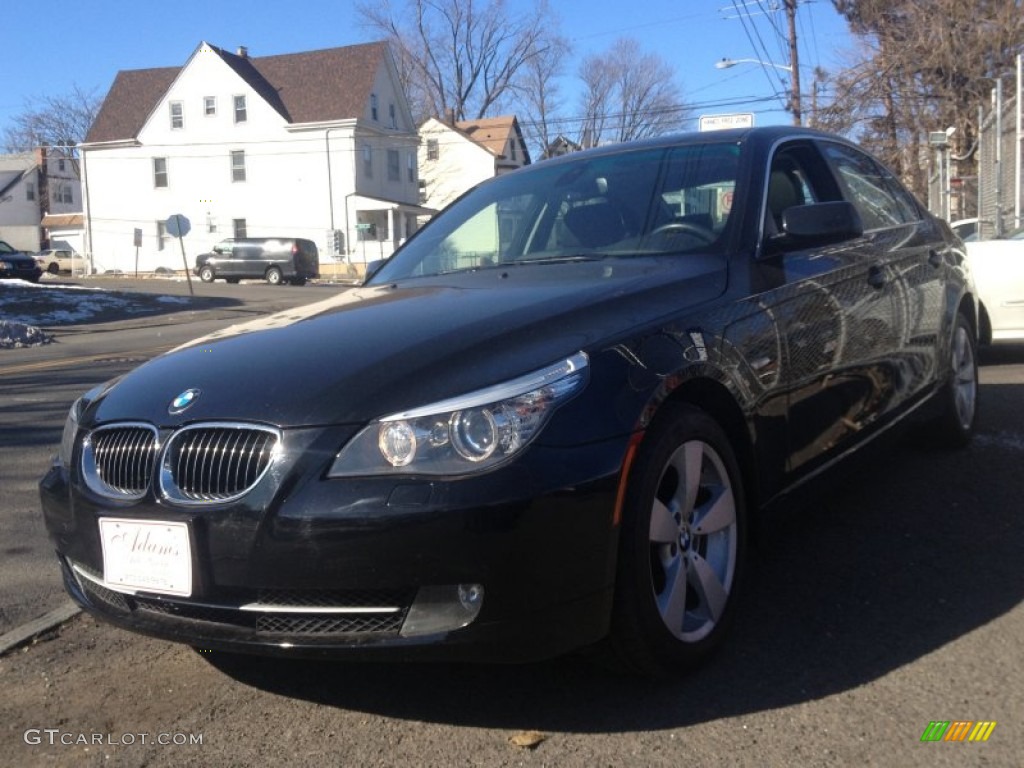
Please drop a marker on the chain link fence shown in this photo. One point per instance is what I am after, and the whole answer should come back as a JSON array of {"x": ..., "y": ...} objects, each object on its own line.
[
  {"x": 988, "y": 181},
  {"x": 999, "y": 168}
]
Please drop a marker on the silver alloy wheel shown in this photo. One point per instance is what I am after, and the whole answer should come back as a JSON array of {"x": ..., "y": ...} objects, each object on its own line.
[
  {"x": 965, "y": 376},
  {"x": 694, "y": 538}
]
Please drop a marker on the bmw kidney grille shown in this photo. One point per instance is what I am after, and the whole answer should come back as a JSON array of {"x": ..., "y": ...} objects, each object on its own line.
[{"x": 199, "y": 464}]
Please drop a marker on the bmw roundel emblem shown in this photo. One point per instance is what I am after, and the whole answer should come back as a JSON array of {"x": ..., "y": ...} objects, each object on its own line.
[{"x": 184, "y": 400}]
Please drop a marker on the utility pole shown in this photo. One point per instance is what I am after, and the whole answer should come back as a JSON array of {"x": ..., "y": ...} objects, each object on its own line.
[{"x": 794, "y": 63}]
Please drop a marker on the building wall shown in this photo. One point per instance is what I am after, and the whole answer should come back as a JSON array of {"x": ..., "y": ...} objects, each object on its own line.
[
  {"x": 460, "y": 164},
  {"x": 36, "y": 192},
  {"x": 298, "y": 178}
]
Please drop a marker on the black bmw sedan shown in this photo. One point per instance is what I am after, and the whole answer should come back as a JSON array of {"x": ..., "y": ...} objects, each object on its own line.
[{"x": 549, "y": 421}]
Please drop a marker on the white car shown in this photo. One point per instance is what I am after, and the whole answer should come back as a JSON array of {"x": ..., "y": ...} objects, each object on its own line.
[
  {"x": 998, "y": 269},
  {"x": 54, "y": 260}
]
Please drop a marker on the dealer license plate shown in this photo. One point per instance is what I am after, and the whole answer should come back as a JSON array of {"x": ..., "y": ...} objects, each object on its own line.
[{"x": 146, "y": 556}]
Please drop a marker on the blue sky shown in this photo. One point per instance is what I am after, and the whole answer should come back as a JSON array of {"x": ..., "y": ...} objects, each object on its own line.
[{"x": 51, "y": 47}]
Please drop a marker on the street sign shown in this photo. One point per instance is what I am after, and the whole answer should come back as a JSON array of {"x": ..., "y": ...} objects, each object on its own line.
[
  {"x": 137, "y": 237},
  {"x": 722, "y": 122},
  {"x": 178, "y": 225}
]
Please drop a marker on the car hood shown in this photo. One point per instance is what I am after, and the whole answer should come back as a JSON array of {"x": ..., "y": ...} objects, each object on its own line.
[{"x": 375, "y": 350}]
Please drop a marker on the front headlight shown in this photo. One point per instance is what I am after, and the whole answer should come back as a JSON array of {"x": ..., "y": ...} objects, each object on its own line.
[
  {"x": 464, "y": 434},
  {"x": 67, "y": 439}
]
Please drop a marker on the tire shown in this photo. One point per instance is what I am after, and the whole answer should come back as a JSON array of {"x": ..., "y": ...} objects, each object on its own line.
[
  {"x": 681, "y": 552},
  {"x": 54, "y": 268},
  {"x": 232, "y": 280},
  {"x": 299, "y": 281},
  {"x": 206, "y": 274},
  {"x": 958, "y": 399},
  {"x": 274, "y": 276}
]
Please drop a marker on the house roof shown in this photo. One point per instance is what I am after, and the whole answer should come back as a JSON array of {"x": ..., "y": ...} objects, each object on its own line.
[
  {"x": 314, "y": 86},
  {"x": 493, "y": 133}
]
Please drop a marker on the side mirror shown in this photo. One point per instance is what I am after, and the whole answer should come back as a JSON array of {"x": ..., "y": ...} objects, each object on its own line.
[{"x": 818, "y": 224}]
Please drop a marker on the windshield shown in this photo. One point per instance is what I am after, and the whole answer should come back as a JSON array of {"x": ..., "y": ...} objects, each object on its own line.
[
  {"x": 642, "y": 202},
  {"x": 5, "y": 248}
]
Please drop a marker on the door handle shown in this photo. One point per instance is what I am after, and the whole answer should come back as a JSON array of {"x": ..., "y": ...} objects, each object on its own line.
[
  {"x": 876, "y": 277},
  {"x": 934, "y": 258}
]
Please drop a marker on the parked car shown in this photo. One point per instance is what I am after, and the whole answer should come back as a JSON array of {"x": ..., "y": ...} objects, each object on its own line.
[
  {"x": 17, "y": 264},
  {"x": 55, "y": 260},
  {"x": 273, "y": 259},
  {"x": 550, "y": 420},
  {"x": 998, "y": 270}
]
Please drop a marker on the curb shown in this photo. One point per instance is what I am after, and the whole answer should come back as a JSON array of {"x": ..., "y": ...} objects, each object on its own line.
[{"x": 33, "y": 629}]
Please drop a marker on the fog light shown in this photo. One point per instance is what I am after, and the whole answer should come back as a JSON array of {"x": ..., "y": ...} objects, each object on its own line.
[{"x": 442, "y": 609}]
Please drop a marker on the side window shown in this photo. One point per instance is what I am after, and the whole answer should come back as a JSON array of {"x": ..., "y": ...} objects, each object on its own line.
[
  {"x": 877, "y": 196},
  {"x": 797, "y": 176}
]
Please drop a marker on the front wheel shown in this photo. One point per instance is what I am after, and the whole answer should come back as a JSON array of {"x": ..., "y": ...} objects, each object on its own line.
[
  {"x": 682, "y": 546},
  {"x": 206, "y": 274},
  {"x": 274, "y": 276}
]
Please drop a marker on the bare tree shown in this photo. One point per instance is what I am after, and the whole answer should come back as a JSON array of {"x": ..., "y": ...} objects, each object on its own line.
[
  {"x": 541, "y": 95},
  {"x": 627, "y": 95},
  {"x": 461, "y": 57},
  {"x": 56, "y": 122},
  {"x": 922, "y": 65}
]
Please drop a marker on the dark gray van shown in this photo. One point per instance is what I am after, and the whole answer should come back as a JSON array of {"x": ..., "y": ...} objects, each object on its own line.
[{"x": 274, "y": 259}]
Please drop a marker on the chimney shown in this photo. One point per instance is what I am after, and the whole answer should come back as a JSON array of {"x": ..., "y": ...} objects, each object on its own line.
[
  {"x": 449, "y": 116},
  {"x": 242, "y": 51}
]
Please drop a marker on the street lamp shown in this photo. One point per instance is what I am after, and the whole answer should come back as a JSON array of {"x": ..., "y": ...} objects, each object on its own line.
[
  {"x": 794, "y": 99},
  {"x": 726, "y": 63}
]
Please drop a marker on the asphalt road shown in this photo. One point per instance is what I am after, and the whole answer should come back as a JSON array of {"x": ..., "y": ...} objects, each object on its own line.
[
  {"x": 38, "y": 385},
  {"x": 890, "y": 601}
]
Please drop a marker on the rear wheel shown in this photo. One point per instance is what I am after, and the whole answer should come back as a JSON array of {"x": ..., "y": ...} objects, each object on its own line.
[
  {"x": 298, "y": 281},
  {"x": 682, "y": 546},
  {"x": 206, "y": 274},
  {"x": 274, "y": 276},
  {"x": 954, "y": 425}
]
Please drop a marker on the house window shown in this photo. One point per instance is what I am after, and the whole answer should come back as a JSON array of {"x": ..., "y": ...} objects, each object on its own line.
[
  {"x": 211, "y": 223},
  {"x": 512, "y": 146},
  {"x": 159, "y": 171},
  {"x": 432, "y": 149},
  {"x": 240, "y": 113},
  {"x": 30, "y": 191},
  {"x": 60, "y": 164},
  {"x": 62, "y": 193},
  {"x": 238, "y": 165},
  {"x": 394, "y": 166},
  {"x": 373, "y": 106},
  {"x": 367, "y": 161},
  {"x": 392, "y": 116},
  {"x": 410, "y": 167},
  {"x": 177, "y": 114},
  {"x": 209, "y": 105},
  {"x": 238, "y": 227},
  {"x": 161, "y": 235}
]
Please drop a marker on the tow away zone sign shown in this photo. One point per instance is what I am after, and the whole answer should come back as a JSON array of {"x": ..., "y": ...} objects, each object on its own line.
[{"x": 721, "y": 122}]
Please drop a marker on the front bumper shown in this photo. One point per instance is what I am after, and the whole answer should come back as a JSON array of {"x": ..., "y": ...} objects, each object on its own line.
[{"x": 538, "y": 535}]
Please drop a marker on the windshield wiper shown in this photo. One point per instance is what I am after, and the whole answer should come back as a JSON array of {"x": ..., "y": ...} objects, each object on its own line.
[{"x": 565, "y": 257}]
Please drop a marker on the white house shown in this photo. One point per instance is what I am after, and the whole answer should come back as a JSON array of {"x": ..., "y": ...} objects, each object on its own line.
[
  {"x": 455, "y": 156},
  {"x": 319, "y": 145},
  {"x": 33, "y": 185}
]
